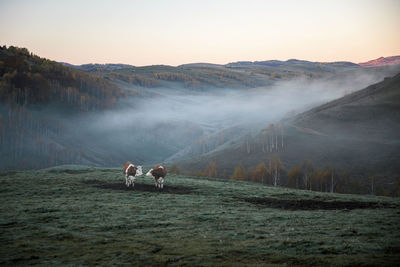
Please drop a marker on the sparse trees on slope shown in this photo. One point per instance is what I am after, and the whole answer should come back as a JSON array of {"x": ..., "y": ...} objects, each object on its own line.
[
  {"x": 307, "y": 167},
  {"x": 395, "y": 190},
  {"x": 211, "y": 169},
  {"x": 276, "y": 168},
  {"x": 271, "y": 138},
  {"x": 261, "y": 173},
  {"x": 294, "y": 177},
  {"x": 239, "y": 173},
  {"x": 371, "y": 180},
  {"x": 334, "y": 179},
  {"x": 343, "y": 185},
  {"x": 175, "y": 169}
]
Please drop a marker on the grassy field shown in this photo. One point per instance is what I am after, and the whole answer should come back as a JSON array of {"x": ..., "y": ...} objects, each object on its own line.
[{"x": 88, "y": 217}]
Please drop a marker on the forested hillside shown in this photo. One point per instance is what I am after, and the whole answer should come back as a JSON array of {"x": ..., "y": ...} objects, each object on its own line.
[
  {"x": 27, "y": 79},
  {"x": 36, "y": 95}
]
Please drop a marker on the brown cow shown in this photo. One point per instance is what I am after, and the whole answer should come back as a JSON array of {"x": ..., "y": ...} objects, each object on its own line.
[
  {"x": 131, "y": 171},
  {"x": 159, "y": 173}
]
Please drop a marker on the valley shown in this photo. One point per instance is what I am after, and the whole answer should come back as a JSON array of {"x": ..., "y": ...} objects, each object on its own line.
[{"x": 193, "y": 114}]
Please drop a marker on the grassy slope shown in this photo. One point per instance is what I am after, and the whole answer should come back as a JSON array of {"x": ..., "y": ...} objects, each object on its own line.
[{"x": 62, "y": 216}]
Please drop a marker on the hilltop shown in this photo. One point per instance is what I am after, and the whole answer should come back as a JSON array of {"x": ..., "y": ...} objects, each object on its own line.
[{"x": 382, "y": 61}]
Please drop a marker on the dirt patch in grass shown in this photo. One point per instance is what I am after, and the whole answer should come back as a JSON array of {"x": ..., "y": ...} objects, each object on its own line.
[
  {"x": 7, "y": 173},
  {"x": 179, "y": 190},
  {"x": 71, "y": 171},
  {"x": 305, "y": 204}
]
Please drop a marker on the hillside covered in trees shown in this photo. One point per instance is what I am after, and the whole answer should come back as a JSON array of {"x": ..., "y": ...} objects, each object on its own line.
[
  {"x": 27, "y": 79},
  {"x": 36, "y": 96}
]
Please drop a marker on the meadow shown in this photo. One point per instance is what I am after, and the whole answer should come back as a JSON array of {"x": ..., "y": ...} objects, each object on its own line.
[{"x": 86, "y": 216}]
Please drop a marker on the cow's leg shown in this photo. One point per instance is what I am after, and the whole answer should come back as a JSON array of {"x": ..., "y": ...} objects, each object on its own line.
[
  {"x": 132, "y": 180},
  {"x": 126, "y": 181}
]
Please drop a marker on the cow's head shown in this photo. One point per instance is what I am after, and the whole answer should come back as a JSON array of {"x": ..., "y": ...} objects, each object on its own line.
[
  {"x": 139, "y": 171},
  {"x": 149, "y": 174}
]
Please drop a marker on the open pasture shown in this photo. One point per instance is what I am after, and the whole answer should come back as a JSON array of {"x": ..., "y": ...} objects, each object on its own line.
[{"x": 87, "y": 216}]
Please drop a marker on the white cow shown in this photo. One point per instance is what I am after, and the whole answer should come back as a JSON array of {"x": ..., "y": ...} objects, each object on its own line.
[{"x": 131, "y": 171}]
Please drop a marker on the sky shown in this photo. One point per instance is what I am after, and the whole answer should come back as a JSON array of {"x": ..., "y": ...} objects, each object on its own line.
[{"x": 174, "y": 32}]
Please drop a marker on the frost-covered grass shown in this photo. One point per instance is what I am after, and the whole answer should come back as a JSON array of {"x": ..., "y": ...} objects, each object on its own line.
[{"x": 85, "y": 216}]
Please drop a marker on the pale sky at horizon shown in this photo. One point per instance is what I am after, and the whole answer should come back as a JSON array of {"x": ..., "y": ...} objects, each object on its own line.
[{"x": 177, "y": 32}]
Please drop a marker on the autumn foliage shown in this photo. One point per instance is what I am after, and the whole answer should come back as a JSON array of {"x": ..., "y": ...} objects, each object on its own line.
[{"x": 27, "y": 79}]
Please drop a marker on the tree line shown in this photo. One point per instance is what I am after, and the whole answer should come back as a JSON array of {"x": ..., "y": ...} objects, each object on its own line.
[{"x": 305, "y": 176}]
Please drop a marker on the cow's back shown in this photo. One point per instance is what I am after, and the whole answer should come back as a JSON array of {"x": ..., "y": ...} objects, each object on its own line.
[
  {"x": 129, "y": 169},
  {"x": 159, "y": 171},
  {"x": 126, "y": 164}
]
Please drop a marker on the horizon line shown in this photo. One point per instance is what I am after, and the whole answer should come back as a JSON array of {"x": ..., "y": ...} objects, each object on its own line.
[{"x": 192, "y": 63}]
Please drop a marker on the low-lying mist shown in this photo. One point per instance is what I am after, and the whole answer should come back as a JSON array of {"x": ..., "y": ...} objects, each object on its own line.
[{"x": 154, "y": 127}]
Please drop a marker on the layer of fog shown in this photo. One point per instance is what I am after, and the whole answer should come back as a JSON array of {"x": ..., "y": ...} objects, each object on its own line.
[
  {"x": 223, "y": 108},
  {"x": 166, "y": 120}
]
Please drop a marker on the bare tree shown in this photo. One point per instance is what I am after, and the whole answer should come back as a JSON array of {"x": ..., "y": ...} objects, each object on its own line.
[
  {"x": 371, "y": 180},
  {"x": 306, "y": 168},
  {"x": 276, "y": 168},
  {"x": 333, "y": 182}
]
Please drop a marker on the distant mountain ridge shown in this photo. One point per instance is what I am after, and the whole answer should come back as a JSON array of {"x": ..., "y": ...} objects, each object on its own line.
[
  {"x": 382, "y": 61},
  {"x": 95, "y": 66},
  {"x": 207, "y": 76},
  {"x": 279, "y": 63},
  {"x": 269, "y": 63}
]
